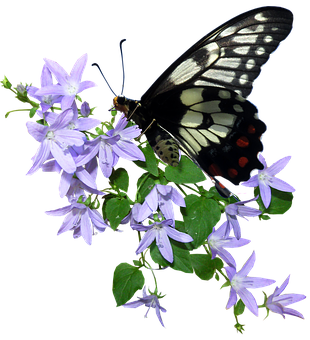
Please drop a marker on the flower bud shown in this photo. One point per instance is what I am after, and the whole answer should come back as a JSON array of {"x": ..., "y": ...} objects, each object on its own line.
[{"x": 6, "y": 82}]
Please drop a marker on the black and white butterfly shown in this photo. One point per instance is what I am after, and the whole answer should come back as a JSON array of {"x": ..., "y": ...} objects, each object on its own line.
[{"x": 199, "y": 103}]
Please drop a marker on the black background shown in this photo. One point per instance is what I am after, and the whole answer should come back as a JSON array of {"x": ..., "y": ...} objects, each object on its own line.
[{"x": 62, "y": 285}]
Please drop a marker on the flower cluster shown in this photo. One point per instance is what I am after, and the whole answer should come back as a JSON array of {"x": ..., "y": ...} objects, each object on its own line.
[
  {"x": 70, "y": 149},
  {"x": 65, "y": 148}
]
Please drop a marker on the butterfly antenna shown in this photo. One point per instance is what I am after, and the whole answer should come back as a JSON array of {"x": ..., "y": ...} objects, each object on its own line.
[
  {"x": 104, "y": 77},
  {"x": 120, "y": 46}
]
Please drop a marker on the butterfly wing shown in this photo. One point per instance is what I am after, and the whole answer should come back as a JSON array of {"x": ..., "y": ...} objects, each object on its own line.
[{"x": 229, "y": 57}]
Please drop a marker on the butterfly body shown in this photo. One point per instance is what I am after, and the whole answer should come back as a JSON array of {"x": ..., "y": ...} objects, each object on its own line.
[{"x": 199, "y": 103}]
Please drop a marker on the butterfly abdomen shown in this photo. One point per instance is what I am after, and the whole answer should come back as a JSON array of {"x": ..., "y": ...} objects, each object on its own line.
[{"x": 164, "y": 146}]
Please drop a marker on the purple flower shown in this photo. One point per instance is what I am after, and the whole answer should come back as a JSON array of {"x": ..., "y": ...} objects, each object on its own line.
[
  {"x": 56, "y": 140},
  {"x": 238, "y": 209},
  {"x": 218, "y": 240},
  {"x": 265, "y": 179},
  {"x": 149, "y": 301},
  {"x": 109, "y": 148},
  {"x": 160, "y": 231},
  {"x": 69, "y": 85},
  {"x": 240, "y": 282},
  {"x": 161, "y": 196},
  {"x": 85, "y": 109},
  {"x": 277, "y": 303},
  {"x": 46, "y": 100},
  {"x": 80, "y": 219}
]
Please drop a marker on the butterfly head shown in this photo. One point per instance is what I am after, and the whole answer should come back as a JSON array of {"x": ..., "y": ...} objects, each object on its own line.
[{"x": 124, "y": 104}]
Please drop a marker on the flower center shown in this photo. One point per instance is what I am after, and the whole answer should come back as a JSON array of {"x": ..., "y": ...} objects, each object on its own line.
[
  {"x": 50, "y": 135},
  {"x": 47, "y": 99},
  {"x": 72, "y": 89},
  {"x": 263, "y": 177}
]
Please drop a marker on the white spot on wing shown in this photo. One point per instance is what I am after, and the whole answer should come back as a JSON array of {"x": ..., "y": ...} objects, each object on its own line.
[
  {"x": 207, "y": 83},
  {"x": 244, "y": 50},
  {"x": 223, "y": 75},
  {"x": 246, "y": 39},
  {"x": 238, "y": 108},
  {"x": 229, "y": 62},
  {"x": 207, "y": 107},
  {"x": 240, "y": 98},
  {"x": 253, "y": 29},
  {"x": 260, "y": 50},
  {"x": 213, "y": 52},
  {"x": 199, "y": 138},
  {"x": 250, "y": 64},
  {"x": 191, "y": 96},
  {"x": 268, "y": 39},
  {"x": 226, "y": 119},
  {"x": 191, "y": 142},
  {"x": 219, "y": 130},
  {"x": 184, "y": 72},
  {"x": 212, "y": 137},
  {"x": 243, "y": 79},
  {"x": 228, "y": 31},
  {"x": 224, "y": 94},
  {"x": 260, "y": 17},
  {"x": 192, "y": 119}
]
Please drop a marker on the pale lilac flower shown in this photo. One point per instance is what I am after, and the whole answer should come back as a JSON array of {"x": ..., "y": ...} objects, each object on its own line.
[
  {"x": 55, "y": 140},
  {"x": 240, "y": 282},
  {"x": 80, "y": 219},
  {"x": 69, "y": 85},
  {"x": 265, "y": 179},
  {"x": 218, "y": 240},
  {"x": 109, "y": 148},
  {"x": 149, "y": 301},
  {"x": 132, "y": 216},
  {"x": 238, "y": 209},
  {"x": 46, "y": 101},
  {"x": 160, "y": 231},
  {"x": 276, "y": 302},
  {"x": 161, "y": 196}
]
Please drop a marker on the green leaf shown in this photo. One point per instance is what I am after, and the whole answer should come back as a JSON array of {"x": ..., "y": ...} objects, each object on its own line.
[
  {"x": 181, "y": 257},
  {"x": 32, "y": 112},
  {"x": 151, "y": 164},
  {"x": 281, "y": 201},
  {"x": 116, "y": 209},
  {"x": 119, "y": 179},
  {"x": 239, "y": 308},
  {"x": 127, "y": 280},
  {"x": 185, "y": 172},
  {"x": 200, "y": 216},
  {"x": 204, "y": 267},
  {"x": 144, "y": 186}
]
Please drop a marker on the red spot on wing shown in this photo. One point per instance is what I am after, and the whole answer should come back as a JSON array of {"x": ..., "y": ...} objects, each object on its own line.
[
  {"x": 251, "y": 129},
  {"x": 232, "y": 173},
  {"x": 243, "y": 142},
  {"x": 243, "y": 161}
]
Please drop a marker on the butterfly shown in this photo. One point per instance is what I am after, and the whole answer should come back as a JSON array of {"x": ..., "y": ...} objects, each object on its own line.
[{"x": 199, "y": 103}]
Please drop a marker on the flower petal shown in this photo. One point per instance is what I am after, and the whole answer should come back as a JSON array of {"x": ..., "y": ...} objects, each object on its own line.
[
  {"x": 278, "y": 184},
  {"x": 265, "y": 193},
  {"x": 249, "y": 300},
  {"x": 278, "y": 166},
  {"x": 78, "y": 68}
]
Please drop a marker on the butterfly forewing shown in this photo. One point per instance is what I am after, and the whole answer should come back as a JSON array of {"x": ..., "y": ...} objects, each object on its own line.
[{"x": 230, "y": 56}]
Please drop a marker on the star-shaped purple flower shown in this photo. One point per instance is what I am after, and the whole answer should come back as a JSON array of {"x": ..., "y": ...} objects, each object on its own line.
[
  {"x": 151, "y": 302},
  {"x": 279, "y": 300},
  {"x": 242, "y": 283},
  {"x": 160, "y": 231},
  {"x": 266, "y": 179},
  {"x": 69, "y": 83}
]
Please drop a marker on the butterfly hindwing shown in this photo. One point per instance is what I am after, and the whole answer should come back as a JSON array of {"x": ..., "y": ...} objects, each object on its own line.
[
  {"x": 217, "y": 128},
  {"x": 230, "y": 56}
]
